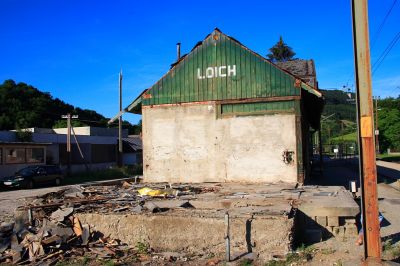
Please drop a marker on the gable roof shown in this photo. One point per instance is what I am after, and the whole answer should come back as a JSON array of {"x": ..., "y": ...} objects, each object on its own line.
[
  {"x": 255, "y": 76},
  {"x": 298, "y": 67}
]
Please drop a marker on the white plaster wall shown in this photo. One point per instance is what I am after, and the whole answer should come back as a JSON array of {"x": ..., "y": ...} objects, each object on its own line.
[{"x": 188, "y": 143}]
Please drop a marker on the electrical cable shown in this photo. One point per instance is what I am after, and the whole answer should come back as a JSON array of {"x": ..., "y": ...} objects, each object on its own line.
[
  {"x": 382, "y": 57},
  {"x": 376, "y": 36}
]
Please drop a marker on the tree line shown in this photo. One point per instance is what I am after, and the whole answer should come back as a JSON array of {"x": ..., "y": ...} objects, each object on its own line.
[
  {"x": 340, "y": 107},
  {"x": 24, "y": 106}
]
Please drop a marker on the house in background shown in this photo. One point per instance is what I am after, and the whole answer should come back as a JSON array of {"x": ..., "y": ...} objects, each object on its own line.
[
  {"x": 224, "y": 113},
  {"x": 98, "y": 146},
  {"x": 132, "y": 150},
  {"x": 17, "y": 155}
]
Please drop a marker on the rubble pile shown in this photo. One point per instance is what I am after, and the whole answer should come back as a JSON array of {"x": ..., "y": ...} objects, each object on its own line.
[{"x": 46, "y": 230}]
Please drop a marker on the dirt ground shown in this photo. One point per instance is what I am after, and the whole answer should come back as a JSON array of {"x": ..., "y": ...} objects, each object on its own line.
[{"x": 334, "y": 251}]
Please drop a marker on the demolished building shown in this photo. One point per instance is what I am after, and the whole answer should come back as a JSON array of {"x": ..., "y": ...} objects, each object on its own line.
[{"x": 224, "y": 113}]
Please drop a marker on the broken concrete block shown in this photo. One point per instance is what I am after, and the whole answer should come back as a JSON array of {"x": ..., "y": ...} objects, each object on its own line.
[
  {"x": 151, "y": 206},
  {"x": 333, "y": 221},
  {"x": 321, "y": 220},
  {"x": 137, "y": 209},
  {"x": 341, "y": 231},
  {"x": 349, "y": 220},
  {"x": 6, "y": 227},
  {"x": 60, "y": 214},
  {"x": 85, "y": 234},
  {"x": 351, "y": 230},
  {"x": 21, "y": 220},
  {"x": 335, "y": 230}
]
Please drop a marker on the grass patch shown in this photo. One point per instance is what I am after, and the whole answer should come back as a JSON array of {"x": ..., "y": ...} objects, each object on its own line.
[
  {"x": 392, "y": 250},
  {"x": 100, "y": 175},
  {"x": 303, "y": 254},
  {"x": 350, "y": 138},
  {"x": 142, "y": 248},
  {"x": 104, "y": 174},
  {"x": 389, "y": 157}
]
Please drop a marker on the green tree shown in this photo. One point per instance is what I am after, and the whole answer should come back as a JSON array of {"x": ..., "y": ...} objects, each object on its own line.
[
  {"x": 280, "y": 51},
  {"x": 63, "y": 123},
  {"x": 389, "y": 128}
]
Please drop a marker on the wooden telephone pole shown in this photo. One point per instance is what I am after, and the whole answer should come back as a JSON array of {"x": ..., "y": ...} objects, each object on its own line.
[
  {"x": 120, "y": 122},
  {"x": 69, "y": 117},
  {"x": 365, "y": 119}
]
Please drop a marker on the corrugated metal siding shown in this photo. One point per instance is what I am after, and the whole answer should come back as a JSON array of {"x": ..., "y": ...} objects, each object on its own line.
[
  {"x": 260, "y": 107},
  {"x": 255, "y": 78}
]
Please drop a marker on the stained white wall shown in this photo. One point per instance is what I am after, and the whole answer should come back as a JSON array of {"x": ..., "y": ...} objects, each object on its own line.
[{"x": 188, "y": 143}]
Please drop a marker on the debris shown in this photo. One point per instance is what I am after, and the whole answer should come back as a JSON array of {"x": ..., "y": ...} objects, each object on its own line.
[
  {"x": 4, "y": 244},
  {"x": 47, "y": 230},
  {"x": 146, "y": 191},
  {"x": 126, "y": 185},
  {"x": 35, "y": 250},
  {"x": 60, "y": 214},
  {"x": 6, "y": 227},
  {"x": 121, "y": 209},
  {"x": 85, "y": 234},
  {"x": 77, "y": 227},
  {"x": 50, "y": 240},
  {"x": 151, "y": 206}
]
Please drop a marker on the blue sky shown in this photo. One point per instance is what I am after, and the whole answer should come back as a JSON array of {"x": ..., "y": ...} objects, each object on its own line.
[{"x": 75, "y": 49}]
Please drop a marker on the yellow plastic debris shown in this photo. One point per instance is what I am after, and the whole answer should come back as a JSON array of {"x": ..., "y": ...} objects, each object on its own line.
[{"x": 146, "y": 191}]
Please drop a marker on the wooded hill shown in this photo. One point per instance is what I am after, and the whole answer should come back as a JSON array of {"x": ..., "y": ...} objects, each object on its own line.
[
  {"x": 339, "y": 119},
  {"x": 24, "y": 106}
]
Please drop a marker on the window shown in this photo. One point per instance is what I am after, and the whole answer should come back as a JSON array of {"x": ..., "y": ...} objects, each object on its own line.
[
  {"x": 104, "y": 153},
  {"x": 15, "y": 155},
  {"x": 35, "y": 155}
]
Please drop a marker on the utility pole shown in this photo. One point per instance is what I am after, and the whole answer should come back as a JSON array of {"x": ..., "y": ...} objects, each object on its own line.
[
  {"x": 68, "y": 117},
  {"x": 376, "y": 126},
  {"x": 120, "y": 122},
  {"x": 365, "y": 116}
]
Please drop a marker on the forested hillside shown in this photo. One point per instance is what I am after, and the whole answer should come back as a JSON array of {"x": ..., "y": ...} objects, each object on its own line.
[
  {"x": 339, "y": 119},
  {"x": 23, "y": 106}
]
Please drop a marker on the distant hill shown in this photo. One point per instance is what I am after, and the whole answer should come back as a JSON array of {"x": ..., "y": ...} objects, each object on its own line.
[
  {"x": 24, "y": 106},
  {"x": 339, "y": 124},
  {"x": 338, "y": 102}
]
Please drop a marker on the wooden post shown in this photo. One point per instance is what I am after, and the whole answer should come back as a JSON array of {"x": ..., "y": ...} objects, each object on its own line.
[
  {"x": 69, "y": 144},
  {"x": 120, "y": 122},
  {"x": 365, "y": 116},
  {"x": 69, "y": 156}
]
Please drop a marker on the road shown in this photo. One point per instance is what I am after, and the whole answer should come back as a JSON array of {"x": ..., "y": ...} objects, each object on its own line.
[{"x": 10, "y": 200}]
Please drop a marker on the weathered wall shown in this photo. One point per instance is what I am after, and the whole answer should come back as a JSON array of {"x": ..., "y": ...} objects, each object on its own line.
[
  {"x": 265, "y": 236},
  {"x": 188, "y": 143}
]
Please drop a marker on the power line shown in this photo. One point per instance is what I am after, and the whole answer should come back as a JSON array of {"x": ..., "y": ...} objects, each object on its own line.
[
  {"x": 382, "y": 57},
  {"x": 376, "y": 36}
]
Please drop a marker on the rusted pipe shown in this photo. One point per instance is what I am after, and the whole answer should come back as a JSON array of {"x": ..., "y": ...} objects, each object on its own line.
[{"x": 227, "y": 239}]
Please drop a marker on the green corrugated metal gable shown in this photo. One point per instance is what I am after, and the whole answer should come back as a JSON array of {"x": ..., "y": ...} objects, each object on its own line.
[{"x": 220, "y": 69}]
